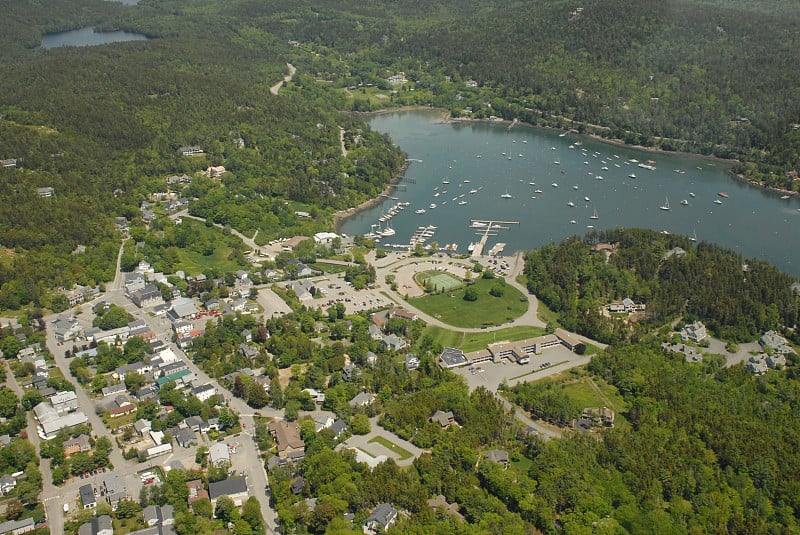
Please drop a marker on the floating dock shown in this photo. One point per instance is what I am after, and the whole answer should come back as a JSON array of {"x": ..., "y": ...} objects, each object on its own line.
[{"x": 486, "y": 228}]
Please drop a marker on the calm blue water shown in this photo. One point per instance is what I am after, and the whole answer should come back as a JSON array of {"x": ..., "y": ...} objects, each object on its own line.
[
  {"x": 88, "y": 37},
  {"x": 498, "y": 161}
]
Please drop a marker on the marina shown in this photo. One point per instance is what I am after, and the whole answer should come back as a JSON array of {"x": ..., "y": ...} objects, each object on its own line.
[
  {"x": 754, "y": 221},
  {"x": 488, "y": 228}
]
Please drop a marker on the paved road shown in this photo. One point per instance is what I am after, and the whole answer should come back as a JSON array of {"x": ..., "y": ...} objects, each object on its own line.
[
  {"x": 528, "y": 318},
  {"x": 375, "y": 449},
  {"x": 257, "y": 477},
  {"x": 286, "y": 79}
]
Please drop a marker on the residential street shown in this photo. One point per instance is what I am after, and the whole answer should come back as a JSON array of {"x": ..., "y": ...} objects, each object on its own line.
[{"x": 247, "y": 457}]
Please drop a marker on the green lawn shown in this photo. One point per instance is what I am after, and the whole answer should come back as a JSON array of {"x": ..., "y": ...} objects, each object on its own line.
[
  {"x": 400, "y": 452},
  {"x": 194, "y": 262},
  {"x": 467, "y": 342},
  {"x": 585, "y": 395},
  {"x": 451, "y": 308},
  {"x": 328, "y": 268}
]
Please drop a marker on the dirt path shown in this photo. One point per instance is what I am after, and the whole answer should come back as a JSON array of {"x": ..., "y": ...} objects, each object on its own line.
[{"x": 341, "y": 141}]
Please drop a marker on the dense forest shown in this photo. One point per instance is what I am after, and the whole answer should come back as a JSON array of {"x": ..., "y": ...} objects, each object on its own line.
[
  {"x": 104, "y": 128},
  {"x": 737, "y": 298},
  {"x": 700, "y": 448}
]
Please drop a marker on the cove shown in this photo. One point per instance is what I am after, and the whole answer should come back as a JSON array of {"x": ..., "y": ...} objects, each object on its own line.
[{"x": 553, "y": 185}]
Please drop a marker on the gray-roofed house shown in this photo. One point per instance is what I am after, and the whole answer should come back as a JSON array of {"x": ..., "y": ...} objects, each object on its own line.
[
  {"x": 351, "y": 373},
  {"x": 444, "y": 419},
  {"x": 182, "y": 308},
  {"x": 185, "y": 437},
  {"x": 382, "y": 518},
  {"x": 17, "y": 527},
  {"x": 133, "y": 282},
  {"x": 411, "y": 361},
  {"x": 193, "y": 422},
  {"x": 219, "y": 453},
  {"x": 112, "y": 390},
  {"x": 235, "y": 488},
  {"x": 339, "y": 428},
  {"x": 147, "y": 297},
  {"x": 76, "y": 445},
  {"x": 115, "y": 490},
  {"x": 297, "y": 486},
  {"x": 203, "y": 392},
  {"x": 164, "y": 515},
  {"x": 248, "y": 351},
  {"x": 87, "y": 497},
  {"x": 362, "y": 399},
  {"x": 776, "y": 361},
  {"x": 375, "y": 332},
  {"x": 757, "y": 365},
  {"x": 7, "y": 482},
  {"x": 393, "y": 342},
  {"x": 142, "y": 427},
  {"x": 304, "y": 289},
  {"x": 694, "y": 332},
  {"x": 497, "y": 456},
  {"x": 100, "y": 525},
  {"x": 66, "y": 329}
]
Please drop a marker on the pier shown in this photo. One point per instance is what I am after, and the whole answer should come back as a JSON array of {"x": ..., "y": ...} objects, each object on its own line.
[{"x": 485, "y": 228}]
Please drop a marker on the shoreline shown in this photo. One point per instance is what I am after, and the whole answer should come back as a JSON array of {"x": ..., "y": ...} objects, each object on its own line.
[
  {"x": 341, "y": 216},
  {"x": 609, "y": 141}
]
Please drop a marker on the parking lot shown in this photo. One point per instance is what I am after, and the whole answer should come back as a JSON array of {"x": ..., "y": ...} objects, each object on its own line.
[
  {"x": 490, "y": 375},
  {"x": 335, "y": 289}
]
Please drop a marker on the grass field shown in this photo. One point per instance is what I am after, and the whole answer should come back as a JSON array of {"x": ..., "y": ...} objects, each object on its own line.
[
  {"x": 467, "y": 342},
  {"x": 452, "y": 309},
  {"x": 397, "y": 450},
  {"x": 590, "y": 392},
  {"x": 194, "y": 262}
]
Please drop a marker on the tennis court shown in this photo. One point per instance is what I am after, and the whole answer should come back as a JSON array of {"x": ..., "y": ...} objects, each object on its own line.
[{"x": 441, "y": 281}]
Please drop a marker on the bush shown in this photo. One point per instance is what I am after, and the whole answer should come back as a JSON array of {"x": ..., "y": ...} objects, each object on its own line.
[{"x": 470, "y": 294}]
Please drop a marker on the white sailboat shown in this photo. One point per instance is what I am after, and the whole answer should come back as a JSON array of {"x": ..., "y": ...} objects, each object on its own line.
[
  {"x": 594, "y": 215},
  {"x": 506, "y": 195},
  {"x": 665, "y": 206},
  {"x": 693, "y": 237}
]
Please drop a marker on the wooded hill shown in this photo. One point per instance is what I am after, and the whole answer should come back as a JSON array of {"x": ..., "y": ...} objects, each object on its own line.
[{"x": 737, "y": 298}]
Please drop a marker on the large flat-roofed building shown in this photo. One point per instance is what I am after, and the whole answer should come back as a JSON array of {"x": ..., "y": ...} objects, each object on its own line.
[
  {"x": 452, "y": 358},
  {"x": 50, "y": 422}
]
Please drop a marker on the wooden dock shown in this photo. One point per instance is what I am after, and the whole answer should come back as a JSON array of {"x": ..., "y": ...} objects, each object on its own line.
[{"x": 491, "y": 228}]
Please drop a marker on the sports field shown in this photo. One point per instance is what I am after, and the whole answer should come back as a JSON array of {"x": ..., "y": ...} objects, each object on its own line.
[{"x": 438, "y": 281}]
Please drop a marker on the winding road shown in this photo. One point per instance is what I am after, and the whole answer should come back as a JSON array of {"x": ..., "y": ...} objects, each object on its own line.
[{"x": 286, "y": 79}]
